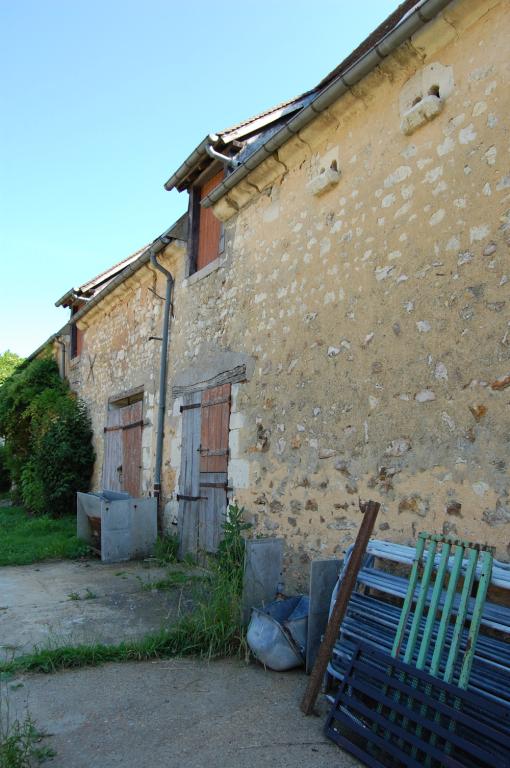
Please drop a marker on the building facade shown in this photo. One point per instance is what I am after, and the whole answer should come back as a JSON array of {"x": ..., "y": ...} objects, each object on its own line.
[{"x": 340, "y": 322}]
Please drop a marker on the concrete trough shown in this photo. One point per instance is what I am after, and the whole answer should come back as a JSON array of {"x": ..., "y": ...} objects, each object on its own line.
[{"x": 118, "y": 526}]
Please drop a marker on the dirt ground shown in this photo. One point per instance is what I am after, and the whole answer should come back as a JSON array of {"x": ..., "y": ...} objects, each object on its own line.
[
  {"x": 74, "y": 602},
  {"x": 176, "y": 714}
]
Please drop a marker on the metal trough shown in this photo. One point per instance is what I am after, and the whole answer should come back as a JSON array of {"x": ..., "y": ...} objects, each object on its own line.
[{"x": 116, "y": 525}]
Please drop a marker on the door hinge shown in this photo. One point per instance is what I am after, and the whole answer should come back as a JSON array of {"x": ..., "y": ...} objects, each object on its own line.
[{"x": 189, "y": 407}]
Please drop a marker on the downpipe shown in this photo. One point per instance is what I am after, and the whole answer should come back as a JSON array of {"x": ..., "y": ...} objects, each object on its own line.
[{"x": 163, "y": 369}]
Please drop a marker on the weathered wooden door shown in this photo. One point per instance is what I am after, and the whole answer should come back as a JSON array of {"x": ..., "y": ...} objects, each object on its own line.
[
  {"x": 204, "y": 469},
  {"x": 213, "y": 465},
  {"x": 123, "y": 449},
  {"x": 189, "y": 497},
  {"x": 132, "y": 423}
]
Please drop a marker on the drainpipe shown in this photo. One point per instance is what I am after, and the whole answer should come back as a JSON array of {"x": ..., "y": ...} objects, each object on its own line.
[
  {"x": 229, "y": 162},
  {"x": 162, "y": 372}
]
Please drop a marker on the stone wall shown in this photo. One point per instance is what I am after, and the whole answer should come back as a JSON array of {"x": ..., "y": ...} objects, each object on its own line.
[{"x": 377, "y": 311}]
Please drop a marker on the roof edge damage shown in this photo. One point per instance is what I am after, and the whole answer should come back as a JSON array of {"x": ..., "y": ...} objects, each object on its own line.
[{"x": 407, "y": 20}]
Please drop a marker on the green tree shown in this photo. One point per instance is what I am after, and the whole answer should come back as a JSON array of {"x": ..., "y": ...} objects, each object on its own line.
[
  {"x": 9, "y": 361},
  {"x": 48, "y": 438}
]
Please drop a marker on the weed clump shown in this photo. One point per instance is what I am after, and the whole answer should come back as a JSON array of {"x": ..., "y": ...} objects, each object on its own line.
[
  {"x": 166, "y": 550},
  {"x": 19, "y": 740}
]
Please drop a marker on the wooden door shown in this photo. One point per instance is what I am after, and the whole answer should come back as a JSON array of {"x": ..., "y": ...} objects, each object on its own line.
[
  {"x": 123, "y": 449},
  {"x": 112, "y": 466},
  {"x": 189, "y": 478},
  {"x": 204, "y": 470}
]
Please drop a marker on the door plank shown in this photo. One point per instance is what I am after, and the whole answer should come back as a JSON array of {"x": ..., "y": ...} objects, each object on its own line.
[
  {"x": 131, "y": 419},
  {"x": 112, "y": 475},
  {"x": 213, "y": 465},
  {"x": 189, "y": 480}
]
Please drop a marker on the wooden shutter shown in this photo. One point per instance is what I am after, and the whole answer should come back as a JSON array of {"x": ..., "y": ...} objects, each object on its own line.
[
  {"x": 79, "y": 341},
  {"x": 189, "y": 486},
  {"x": 112, "y": 465},
  {"x": 131, "y": 420},
  {"x": 209, "y": 227},
  {"x": 214, "y": 430},
  {"x": 213, "y": 465},
  {"x": 76, "y": 340}
]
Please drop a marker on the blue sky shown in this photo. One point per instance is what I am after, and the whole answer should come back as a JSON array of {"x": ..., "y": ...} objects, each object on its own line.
[{"x": 102, "y": 101}]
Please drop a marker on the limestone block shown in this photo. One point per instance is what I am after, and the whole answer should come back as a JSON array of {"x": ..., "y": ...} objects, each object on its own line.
[
  {"x": 325, "y": 180},
  {"x": 234, "y": 396},
  {"x": 233, "y": 443},
  {"x": 238, "y": 474},
  {"x": 293, "y": 152},
  {"x": 242, "y": 193},
  {"x": 422, "y": 112},
  {"x": 266, "y": 173},
  {"x": 223, "y": 209},
  {"x": 237, "y": 420},
  {"x": 318, "y": 131},
  {"x": 435, "y": 79}
]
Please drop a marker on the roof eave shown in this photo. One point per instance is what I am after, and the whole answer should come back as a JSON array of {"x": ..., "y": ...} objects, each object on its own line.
[
  {"x": 180, "y": 178},
  {"x": 159, "y": 244},
  {"x": 415, "y": 16}
]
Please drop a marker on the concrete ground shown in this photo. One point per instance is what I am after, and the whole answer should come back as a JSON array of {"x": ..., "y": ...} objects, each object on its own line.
[
  {"x": 72, "y": 602},
  {"x": 176, "y": 714}
]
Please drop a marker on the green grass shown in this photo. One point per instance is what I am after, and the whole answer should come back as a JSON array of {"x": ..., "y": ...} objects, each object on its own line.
[
  {"x": 175, "y": 578},
  {"x": 25, "y": 539}
]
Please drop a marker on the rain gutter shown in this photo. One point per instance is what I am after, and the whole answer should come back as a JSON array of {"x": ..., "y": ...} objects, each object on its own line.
[{"x": 411, "y": 23}]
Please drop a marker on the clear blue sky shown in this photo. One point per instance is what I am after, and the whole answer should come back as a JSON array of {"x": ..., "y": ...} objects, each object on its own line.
[{"x": 102, "y": 101}]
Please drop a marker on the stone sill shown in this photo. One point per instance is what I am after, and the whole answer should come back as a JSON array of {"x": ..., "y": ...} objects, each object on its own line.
[{"x": 204, "y": 272}]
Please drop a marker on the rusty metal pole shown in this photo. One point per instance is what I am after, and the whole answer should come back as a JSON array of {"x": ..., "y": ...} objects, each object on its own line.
[{"x": 370, "y": 510}]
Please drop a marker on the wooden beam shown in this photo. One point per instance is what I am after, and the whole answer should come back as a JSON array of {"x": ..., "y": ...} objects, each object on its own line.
[{"x": 370, "y": 510}]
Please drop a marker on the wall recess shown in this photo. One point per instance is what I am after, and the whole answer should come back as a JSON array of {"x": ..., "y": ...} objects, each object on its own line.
[{"x": 423, "y": 96}]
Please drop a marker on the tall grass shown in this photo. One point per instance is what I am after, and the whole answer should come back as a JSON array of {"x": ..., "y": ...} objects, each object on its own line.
[{"x": 214, "y": 629}]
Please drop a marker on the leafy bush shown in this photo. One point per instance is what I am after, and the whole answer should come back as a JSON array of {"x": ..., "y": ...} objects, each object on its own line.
[
  {"x": 5, "y": 475},
  {"x": 48, "y": 438}
]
